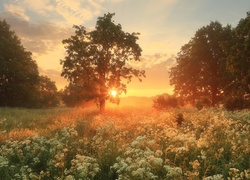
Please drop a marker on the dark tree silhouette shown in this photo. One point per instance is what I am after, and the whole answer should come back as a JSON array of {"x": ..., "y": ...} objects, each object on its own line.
[
  {"x": 201, "y": 65},
  {"x": 18, "y": 71},
  {"x": 20, "y": 83},
  {"x": 96, "y": 61}
]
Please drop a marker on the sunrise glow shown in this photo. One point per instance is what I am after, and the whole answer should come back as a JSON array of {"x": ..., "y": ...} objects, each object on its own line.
[
  {"x": 164, "y": 28},
  {"x": 113, "y": 93}
]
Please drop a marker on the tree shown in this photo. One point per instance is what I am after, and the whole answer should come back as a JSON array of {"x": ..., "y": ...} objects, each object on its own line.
[
  {"x": 165, "y": 101},
  {"x": 20, "y": 83},
  {"x": 18, "y": 71},
  {"x": 201, "y": 70},
  {"x": 74, "y": 95},
  {"x": 48, "y": 96},
  {"x": 239, "y": 59},
  {"x": 97, "y": 61},
  {"x": 184, "y": 74}
]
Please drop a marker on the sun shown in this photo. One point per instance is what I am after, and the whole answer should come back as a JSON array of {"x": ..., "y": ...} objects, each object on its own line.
[{"x": 113, "y": 93}]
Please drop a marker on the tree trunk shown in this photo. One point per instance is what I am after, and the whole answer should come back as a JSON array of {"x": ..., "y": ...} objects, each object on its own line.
[
  {"x": 103, "y": 93},
  {"x": 102, "y": 102},
  {"x": 214, "y": 91}
]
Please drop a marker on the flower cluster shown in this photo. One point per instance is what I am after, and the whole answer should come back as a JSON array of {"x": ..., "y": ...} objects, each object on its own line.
[
  {"x": 83, "y": 167},
  {"x": 210, "y": 144},
  {"x": 42, "y": 158},
  {"x": 138, "y": 161}
]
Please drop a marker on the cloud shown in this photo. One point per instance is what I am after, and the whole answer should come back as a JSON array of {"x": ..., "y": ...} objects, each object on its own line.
[
  {"x": 149, "y": 61},
  {"x": 157, "y": 68},
  {"x": 67, "y": 12},
  {"x": 55, "y": 76},
  {"x": 77, "y": 11},
  {"x": 44, "y": 7},
  {"x": 157, "y": 77},
  {"x": 38, "y": 37},
  {"x": 159, "y": 71},
  {"x": 17, "y": 11}
]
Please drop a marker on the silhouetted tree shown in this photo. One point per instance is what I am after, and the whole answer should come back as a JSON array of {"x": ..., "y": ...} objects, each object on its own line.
[
  {"x": 237, "y": 92},
  {"x": 201, "y": 65},
  {"x": 48, "y": 95},
  {"x": 96, "y": 61},
  {"x": 18, "y": 71},
  {"x": 165, "y": 101},
  {"x": 238, "y": 62},
  {"x": 20, "y": 83},
  {"x": 74, "y": 95}
]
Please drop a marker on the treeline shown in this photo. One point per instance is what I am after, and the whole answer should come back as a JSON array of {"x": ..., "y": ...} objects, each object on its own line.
[
  {"x": 214, "y": 66},
  {"x": 20, "y": 82}
]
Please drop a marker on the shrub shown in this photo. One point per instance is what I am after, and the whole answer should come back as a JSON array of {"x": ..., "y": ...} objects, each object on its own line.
[
  {"x": 236, "y": 103},
  {"x": 165, "y": 101},
  {"x": 203, "y": 102},
  {"x": 179, "y": 119}
]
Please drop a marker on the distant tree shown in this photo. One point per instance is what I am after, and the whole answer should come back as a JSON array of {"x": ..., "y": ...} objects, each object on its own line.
[
  {"x": 48, "y": 95},
  {"x": 165, "y": 101},
  {"x": 201, "y": 65},
  {"x": 96, "y": 61},
  {"x": 74, "y": 95},
  {"x": 18, "y": 71}
]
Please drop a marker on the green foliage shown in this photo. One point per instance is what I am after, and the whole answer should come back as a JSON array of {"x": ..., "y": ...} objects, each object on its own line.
[
  {"x": 239, "y": 59},
  {"x": 20, "y": 83},
  {"x": 18, "y": 71},
  {"x": 48, "y": 96},
  {"x": 165, "y": 101},
  {"x": 96, "y": 61},
  {"x": 73, "y": 95},
  {"x": 236, "y": 103},
  {"x": 203, "y": 102},
  {"x": 214, "y": 64},
  {"x": 200, "y": 69}
]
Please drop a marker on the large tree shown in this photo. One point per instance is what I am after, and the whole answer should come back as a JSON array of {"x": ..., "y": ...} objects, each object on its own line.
[
  {"x": 238, "y": 62},
  {"x": 201, "y": 70},
  {"x": 20, "y": 83},
  {"x": 97, "y": 61},
  {"x": 18, "y": 71}
]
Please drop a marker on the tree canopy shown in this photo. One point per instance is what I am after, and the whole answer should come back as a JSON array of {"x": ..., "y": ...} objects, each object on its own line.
[
  {"x": 214, "y": 64},
  {"x": 20, "y": 82},
  {"x": 200, "y": 69},
  {"x": 238, "y": 62},
  {"x": 97, "y": 61}
]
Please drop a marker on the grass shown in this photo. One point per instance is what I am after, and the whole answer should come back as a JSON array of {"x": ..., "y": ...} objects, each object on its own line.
[
  {"x": 18, "y": 123},
  {"x": 124, "y": 143}
]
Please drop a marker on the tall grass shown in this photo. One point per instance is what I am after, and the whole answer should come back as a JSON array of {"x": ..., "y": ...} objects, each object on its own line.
[
  {"x": 128, "y": 144},
  {"x": 18, "y": 123}
]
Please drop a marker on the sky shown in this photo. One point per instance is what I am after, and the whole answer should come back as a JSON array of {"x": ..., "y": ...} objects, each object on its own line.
[{"x": 164, "y": 27}]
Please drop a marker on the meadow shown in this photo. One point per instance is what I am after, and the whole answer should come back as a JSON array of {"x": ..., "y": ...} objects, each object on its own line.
[{"x": 124, "y": 143}]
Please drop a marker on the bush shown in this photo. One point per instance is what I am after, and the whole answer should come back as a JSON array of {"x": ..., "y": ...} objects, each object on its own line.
[
  {"x": 236, "y": 103},
  {"x": 165, "y": 101},
  {"x": 179, "y": 119},
  {"x": 203, "y": 102}
]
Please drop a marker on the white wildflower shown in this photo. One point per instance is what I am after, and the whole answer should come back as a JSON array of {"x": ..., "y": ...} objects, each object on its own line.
[{"x": 158, "y": 153}]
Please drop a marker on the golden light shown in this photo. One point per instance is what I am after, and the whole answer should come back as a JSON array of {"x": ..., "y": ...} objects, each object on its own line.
[{"x": 113, "y": 93}]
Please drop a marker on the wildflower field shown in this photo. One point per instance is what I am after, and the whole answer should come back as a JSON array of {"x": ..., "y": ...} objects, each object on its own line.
[{"x": 125, "y": 144}]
